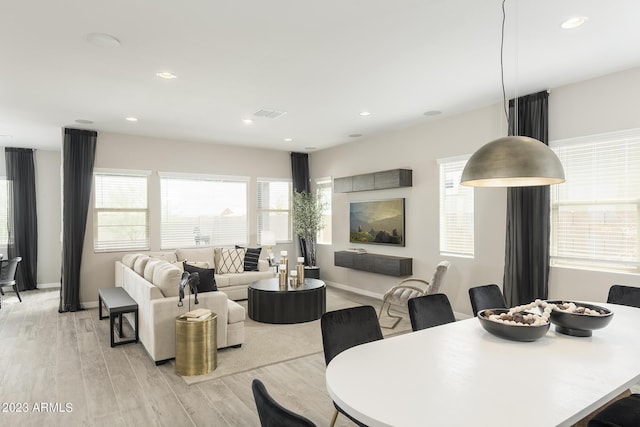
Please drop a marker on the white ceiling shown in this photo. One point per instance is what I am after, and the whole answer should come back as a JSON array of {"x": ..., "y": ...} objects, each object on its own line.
[{"x": 323, "y": 62}]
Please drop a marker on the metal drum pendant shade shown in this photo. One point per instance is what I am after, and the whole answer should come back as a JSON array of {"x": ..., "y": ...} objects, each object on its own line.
[{"x": 513, "y": 161}]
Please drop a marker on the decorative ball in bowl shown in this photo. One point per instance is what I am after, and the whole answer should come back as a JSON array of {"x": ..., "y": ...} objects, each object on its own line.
[
  {"x": 519, "y": 326},
  {"x": 578, "y": 319}
]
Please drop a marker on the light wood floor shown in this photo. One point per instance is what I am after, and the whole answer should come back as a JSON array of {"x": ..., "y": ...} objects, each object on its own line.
[{"x": 64, "y": 361}]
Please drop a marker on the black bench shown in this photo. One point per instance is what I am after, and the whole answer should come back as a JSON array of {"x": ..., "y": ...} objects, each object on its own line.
[{"x": 117, "y": 302}]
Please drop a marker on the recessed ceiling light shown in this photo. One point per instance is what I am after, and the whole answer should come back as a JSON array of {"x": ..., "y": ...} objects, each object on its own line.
[
  {"x": 288, "y": 139},
  {"x": 247, "y": 121},
  {"x": 6, "y": 136},
  {"x": 432, "y": 113},
  {"x": 355, "y": 135},
  {"x": 365, "y": 113},
  {"x": 131, "y": 119},
  {"x": 309, "y": 148},
  {"x": 573, "y": 22},
  {"x": 102, "y": 40},
  {"x": 84, "y": 121},
  {"x": 166, "y": 75}
]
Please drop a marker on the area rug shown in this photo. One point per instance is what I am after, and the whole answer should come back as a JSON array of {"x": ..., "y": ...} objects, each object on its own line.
[{"x": 266, "y": 344}]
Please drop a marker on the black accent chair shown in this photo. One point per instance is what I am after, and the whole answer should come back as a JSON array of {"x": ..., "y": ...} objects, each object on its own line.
[
  {"x": 346, "y": 328},
  {"x": 624, "y": 295},
  {"x": 271, "y": 413},
  {"x": 486, "y": 296},
  {"x": 8, "y": 268},
  {"x": 621, "y": 413},
  {"x": 430, "y": 310}
]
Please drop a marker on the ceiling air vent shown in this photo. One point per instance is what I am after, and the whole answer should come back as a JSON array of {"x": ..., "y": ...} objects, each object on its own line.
[{"x": 269, "y": 114}]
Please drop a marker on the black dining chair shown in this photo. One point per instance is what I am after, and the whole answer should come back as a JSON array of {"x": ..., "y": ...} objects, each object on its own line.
[
  {"x": 624, "y": 295},
  {"x": 271, "y": 413},
  {"x": 621, "y": 413},
  {"x": 486, "y": 296},
  {"x": 346, "y": 328},
  {"x": 430, "y": 310},
  {"x": 8, "y": 268}
]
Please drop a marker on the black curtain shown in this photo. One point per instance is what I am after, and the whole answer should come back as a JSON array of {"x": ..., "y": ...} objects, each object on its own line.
[
  {"x": 22, "y": 217},
  {"x": 79, "y": 148},
  {"x": 526, "y": 267},
  {"x": 300, "y": 178}
]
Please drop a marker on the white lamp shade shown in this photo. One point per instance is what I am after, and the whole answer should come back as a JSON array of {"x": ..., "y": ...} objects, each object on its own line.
[
  {"x": 267, "y": 238},
  {"x": 513, "y": 161}
]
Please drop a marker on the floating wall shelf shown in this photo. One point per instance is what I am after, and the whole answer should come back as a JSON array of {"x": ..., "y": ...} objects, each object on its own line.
[
  {"x": 373, "y": 263},
  {"x": 395, "y": 178}
]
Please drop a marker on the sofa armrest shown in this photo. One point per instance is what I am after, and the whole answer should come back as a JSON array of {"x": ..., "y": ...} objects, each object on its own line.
[{"x": 162, "y": 317}]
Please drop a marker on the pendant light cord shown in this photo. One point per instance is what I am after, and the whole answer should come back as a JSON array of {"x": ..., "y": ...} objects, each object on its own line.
[{"x": 504, "y": 93}]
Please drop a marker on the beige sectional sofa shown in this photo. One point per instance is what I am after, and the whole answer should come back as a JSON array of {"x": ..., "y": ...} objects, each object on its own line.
[{"x": 152, "y": 280}]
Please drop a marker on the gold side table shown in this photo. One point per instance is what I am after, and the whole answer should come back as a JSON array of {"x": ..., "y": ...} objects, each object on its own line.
[{"x": 196, "y": 345}]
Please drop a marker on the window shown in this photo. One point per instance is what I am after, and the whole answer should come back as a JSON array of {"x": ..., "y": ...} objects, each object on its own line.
[
  {"x": 121, "y": 214},
  {"x": 594, "y": 214},
  {"x": 323, "y": 187},
  {"x": 202, "y": 210},
  {"x": 456, "y": 210},
  {"x": 4, "y": 206},
  {"x": 274, "y": 207}
]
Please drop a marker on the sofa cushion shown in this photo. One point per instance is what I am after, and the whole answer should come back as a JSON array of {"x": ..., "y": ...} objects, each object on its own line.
[
  {"x": 196, "y": 254},
  {"x": 167, "y": 277},
  {"x": 199, "y": 264},
  {"x": 207, "y": 277},
  {"x": 251, "y": 258},
  {"x": 165, "y": 256},
  {"x": 150, "y": 268},
  {"x": 231, "y": 261},
  {"x": 247, "y": 277},
  {"x": 140, "y": 264},
  {"x": 222, "y": 280},
  {"x": 130, "y": 259},
  {"x": 235, "y": 312}
]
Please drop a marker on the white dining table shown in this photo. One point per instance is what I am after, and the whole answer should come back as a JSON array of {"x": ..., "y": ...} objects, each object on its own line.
[{"x": 458, "y": 374}]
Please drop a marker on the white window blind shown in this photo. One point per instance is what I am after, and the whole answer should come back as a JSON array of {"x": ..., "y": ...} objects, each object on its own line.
[
  {"x": 121, "y": 214},
  {"x": 594, "y": 214},
  {"x": 202, "y": 210},
  {"x": 274, "y": 207},
  {"x": 4, "y": 205},
  {"x": 323, "y": 187},
  {"x": 456, "y": 210}
]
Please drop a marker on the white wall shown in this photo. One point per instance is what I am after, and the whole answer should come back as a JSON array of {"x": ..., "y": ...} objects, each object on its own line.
[
  {"x": 595, "y": 106},
  {"x": 118, "y": 151},
  {"x": 48, "y": 205}
]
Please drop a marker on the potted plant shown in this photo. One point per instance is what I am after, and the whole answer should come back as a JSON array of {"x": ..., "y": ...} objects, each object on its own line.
[{"x": 307, "y": 221}]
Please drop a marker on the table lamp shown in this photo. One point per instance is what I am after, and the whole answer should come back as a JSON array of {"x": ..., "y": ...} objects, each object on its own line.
[{"x": 268, "y": 239}]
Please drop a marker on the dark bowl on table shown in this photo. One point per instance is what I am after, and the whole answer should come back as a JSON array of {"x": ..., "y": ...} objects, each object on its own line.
[
  {"x": 511, "y": 332},
  {"x": 577, "y": 324}
]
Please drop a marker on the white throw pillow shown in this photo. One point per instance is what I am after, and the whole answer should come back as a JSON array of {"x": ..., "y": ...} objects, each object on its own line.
[
  {"x": 140, "y": 264},
  {"x": 167, "y": 278},
  {"x": 231, "y": 261},
  {"x": 150, "y": 268}
]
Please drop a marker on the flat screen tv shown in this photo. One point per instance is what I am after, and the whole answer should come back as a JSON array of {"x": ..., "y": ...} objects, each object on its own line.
[{"x": 379, "y": 222}]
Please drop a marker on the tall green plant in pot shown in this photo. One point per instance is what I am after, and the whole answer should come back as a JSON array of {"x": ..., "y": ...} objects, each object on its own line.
[{"x": 307, "y": 221}]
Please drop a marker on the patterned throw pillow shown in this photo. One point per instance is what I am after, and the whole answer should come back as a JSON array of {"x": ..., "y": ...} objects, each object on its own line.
[
  {"x": 251, "y": 257},
  {"x": 231, "y": 261}
]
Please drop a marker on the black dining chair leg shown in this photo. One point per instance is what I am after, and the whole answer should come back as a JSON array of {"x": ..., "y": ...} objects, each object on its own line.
[{"x": 15, "y": 288}]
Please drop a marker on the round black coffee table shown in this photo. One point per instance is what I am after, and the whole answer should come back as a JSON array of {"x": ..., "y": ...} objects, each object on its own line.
[{"x": 269, "y": 304}]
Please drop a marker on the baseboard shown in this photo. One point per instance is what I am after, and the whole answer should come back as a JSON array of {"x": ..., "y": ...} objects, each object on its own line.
[
  {"x": 354, "y": 290},
  {"x": 48, "y": 285},
  {"x": 90, "y": 304},
  {"x": 458, "y": 316}
]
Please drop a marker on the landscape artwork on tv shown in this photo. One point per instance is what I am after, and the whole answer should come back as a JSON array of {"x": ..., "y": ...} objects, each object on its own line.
[{"x": 377, "y": 222}]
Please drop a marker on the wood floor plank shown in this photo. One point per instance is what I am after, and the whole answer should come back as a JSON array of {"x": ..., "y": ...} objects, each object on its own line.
[{"x": 67, "y": 358}]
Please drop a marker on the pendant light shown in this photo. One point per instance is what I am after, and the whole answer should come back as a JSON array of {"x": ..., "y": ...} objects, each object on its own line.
[{"x": 512, "y": 161}]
